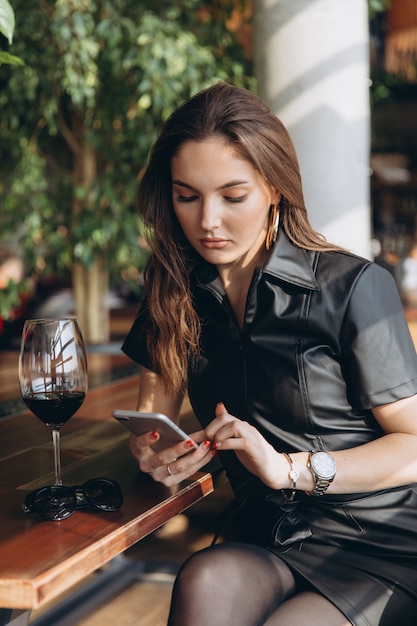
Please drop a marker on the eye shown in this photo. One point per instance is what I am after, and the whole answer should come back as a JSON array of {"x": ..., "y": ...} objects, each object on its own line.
[
  {"x": 235, "y": 199},
  {"x": 181, "y": 198}
]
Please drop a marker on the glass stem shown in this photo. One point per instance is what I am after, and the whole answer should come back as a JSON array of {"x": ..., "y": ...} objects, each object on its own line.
[{"x": 57, "y": 455}]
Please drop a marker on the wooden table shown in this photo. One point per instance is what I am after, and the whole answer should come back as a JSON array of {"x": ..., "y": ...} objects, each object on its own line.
[{"x": 39, "y": 560}]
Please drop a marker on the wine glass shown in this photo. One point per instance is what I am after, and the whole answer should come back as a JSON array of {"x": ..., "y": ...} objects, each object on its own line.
[{"x": 53, "y": 374}]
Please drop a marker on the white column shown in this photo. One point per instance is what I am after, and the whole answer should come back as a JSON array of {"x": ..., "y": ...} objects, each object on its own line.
[{"x": 311, "y": 62}]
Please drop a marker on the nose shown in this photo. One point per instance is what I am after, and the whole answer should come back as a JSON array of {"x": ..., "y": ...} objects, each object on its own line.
[{"x": 210, "y": 215}]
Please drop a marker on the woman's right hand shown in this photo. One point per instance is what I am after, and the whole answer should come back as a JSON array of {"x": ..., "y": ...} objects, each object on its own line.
[{"x": 174, "y": 464}]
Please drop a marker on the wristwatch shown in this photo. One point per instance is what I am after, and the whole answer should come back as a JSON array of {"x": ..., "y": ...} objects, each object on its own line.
[{"x": 323, "y": 467}]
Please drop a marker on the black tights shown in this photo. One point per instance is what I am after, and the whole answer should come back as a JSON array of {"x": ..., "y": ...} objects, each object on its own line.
[{"x": 236, "y": 584}]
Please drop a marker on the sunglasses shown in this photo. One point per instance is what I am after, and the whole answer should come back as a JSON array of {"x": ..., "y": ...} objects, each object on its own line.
[{"x": 57, "y": 502}]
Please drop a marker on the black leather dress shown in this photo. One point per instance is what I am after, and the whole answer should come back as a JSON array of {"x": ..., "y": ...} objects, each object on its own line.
[{"x": 324, "y": 340}]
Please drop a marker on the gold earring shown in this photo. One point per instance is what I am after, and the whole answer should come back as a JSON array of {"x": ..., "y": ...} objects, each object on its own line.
[{"x": 272, "y": 234}]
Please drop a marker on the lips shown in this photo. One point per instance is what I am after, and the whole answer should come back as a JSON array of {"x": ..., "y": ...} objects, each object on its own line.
[{"x": 214, "y": 242}]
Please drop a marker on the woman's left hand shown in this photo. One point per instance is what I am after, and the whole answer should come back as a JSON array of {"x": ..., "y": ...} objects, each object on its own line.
[
  {"x": 173, "y": 464},
  {"x": 227, "y": 432}
]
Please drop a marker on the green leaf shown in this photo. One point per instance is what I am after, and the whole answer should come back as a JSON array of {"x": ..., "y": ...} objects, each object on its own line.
[
  {"x": 11, "y": 298},
  {"x": 7, "y": 21},
  {"x": 10, "y": 59}
]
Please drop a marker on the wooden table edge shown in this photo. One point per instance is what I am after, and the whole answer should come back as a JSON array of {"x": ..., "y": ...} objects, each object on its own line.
[{"x": 18, "y": 594}]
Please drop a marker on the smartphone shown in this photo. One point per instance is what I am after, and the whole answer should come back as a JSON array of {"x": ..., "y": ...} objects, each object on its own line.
[{"x": 140, "y": 423}]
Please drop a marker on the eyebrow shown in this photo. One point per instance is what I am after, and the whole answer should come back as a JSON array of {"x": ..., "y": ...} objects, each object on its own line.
[{"x": 232, "y": 183}]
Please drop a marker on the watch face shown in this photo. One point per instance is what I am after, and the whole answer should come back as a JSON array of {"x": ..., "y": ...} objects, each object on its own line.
[{"x": 323, "y": 464}]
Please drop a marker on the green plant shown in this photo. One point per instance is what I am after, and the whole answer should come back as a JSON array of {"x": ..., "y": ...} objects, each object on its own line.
[
  {"x": 78, "y": 119},
  {"x": 377, "y": 6},
  {"x": 7, "y": 23},
  {"x": 11, "y": 298}
]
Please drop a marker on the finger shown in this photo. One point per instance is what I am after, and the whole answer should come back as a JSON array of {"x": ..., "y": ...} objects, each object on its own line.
[
  {"x": 166, "y": 456},
  {"x": 183, "y": 461},
  {"x": 232, "y": 436},
  {"x": 142, "y": 443},
  {"x": 199, "y": 436},
  {"x": 222, "y": 417},
  {"x": 189, "y": 463},
  {"x": 220, "y": 409},
  {"x": 170, "y": 469}
]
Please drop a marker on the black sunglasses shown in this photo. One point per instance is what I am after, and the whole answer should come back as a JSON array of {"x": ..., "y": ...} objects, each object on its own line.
[{"x": 58, "y": 502}]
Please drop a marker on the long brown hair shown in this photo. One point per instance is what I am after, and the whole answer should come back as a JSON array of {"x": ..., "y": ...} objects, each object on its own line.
[{"x": 257, "y": 135}]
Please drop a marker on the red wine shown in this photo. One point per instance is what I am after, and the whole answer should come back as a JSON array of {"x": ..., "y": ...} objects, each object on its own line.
[{"x": 56, "y": 408}]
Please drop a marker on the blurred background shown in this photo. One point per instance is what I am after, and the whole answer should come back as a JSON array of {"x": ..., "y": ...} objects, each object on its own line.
[{"x": 86, "y": 84}]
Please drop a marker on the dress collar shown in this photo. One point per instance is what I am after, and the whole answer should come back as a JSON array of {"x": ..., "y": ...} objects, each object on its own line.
[
  {"x": 291, "y": 263},
  {"x": 287, "y": 262}
]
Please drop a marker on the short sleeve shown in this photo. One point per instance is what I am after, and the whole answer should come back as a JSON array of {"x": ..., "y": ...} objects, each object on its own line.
[
  {"x": 135, "y": 344},
  {"x": 381, "y": 354}
]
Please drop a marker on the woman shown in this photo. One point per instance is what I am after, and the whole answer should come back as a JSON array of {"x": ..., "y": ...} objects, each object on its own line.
[{"x": 300, "y": 368}]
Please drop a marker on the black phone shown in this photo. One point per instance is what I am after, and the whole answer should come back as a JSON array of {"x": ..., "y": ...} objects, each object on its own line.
[{"x": 140, "y": 423}]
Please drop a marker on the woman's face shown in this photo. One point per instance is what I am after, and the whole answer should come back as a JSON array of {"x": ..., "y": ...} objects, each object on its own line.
[{"x": 221, "y": 202}]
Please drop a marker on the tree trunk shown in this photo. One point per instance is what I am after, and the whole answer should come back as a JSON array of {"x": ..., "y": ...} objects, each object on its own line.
[
  {"x": 90, "y": 287},
  {"x": 90, "y": 284},
  {"x": 311, "y": 61}
]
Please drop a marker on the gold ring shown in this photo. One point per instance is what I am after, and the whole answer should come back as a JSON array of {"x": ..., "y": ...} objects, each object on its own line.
[{"x": 169, "y": 470}]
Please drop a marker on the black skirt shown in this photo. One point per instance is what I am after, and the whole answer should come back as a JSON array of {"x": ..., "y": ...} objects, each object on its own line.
[{"x": 359, "y": 551}]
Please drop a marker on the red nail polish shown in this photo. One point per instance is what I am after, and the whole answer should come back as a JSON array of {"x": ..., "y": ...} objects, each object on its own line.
[
  {"x": 189, "y": 443},
  {"x": 154, "y": 435},
  {"x": 207, "y": 444}
]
